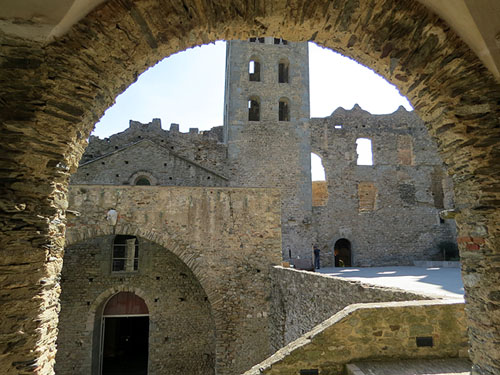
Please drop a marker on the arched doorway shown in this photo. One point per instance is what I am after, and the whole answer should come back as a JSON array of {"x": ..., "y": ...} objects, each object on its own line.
[
  {"x": 125, "y": 335},
  {"x": 420, "y": 52},
  {"x": 342, "y": 253}
]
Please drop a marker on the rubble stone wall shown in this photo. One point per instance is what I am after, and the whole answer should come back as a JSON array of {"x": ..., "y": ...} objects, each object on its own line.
[
  {"x": 398, "y": 222},
  {"x": 302, "y": 300},
  {"x": 384, "y": 330},
  {"x": 53, "y": 93},
  {"x": 181, "y": 329},
  {"x": 228, "y": 238},
  {"x": 146, "y": 159}
]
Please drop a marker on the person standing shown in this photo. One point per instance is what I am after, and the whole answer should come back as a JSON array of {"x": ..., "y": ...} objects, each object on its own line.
[{"x": 317, "y": 253}]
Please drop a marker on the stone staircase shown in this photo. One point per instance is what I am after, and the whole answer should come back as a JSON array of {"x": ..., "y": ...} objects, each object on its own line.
[{"x": 448, "y": 366}]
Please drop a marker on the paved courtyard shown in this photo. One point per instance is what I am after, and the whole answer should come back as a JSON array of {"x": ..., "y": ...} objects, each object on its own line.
[{"x": 433, "y": 281}]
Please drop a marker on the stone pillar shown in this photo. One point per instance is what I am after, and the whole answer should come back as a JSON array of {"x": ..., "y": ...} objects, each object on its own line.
[
  {"x": 130, "y": 253},
  {"x": 40, "y": 146}
]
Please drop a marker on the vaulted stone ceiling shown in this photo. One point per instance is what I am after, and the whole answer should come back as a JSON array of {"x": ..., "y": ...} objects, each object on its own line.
[{"x": 476, "y": 21}]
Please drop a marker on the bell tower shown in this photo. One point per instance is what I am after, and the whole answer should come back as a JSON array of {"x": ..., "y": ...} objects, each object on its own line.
[{"x": 266, "y": 129}]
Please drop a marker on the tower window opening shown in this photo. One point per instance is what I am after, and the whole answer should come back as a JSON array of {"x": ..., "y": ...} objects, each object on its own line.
[
  {"x": 277, "y": 40},
  {"x": 125, "y": 254},
  {"x": 283, "y": 72},
  {"x": 254, "y": 71},
  {"x": 318, "y": 180},
  {"x": 253, "y": 109},
  {"x": 364, "y": 151},
  {"x": 284, "y": 110},
  {"x": 252, "y": 40},
  {"x": 262, "y": 40}
]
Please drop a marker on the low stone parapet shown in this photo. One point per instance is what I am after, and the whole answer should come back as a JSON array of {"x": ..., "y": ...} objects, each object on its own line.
[{"x": 390, "y": 330}]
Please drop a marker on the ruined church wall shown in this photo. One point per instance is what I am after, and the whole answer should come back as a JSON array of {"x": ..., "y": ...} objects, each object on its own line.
[
  {"x": 146, "y": 159},
  {"x": 228, "y": 237},
  {"x": 409, "y": 184},
  {"x": 181, "y": 325},
  {"x": 301, "y": 300},
  {"x": 203, "y": 147}
]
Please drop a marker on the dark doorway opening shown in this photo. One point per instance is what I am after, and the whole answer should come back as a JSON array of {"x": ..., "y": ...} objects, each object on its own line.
[
  {"x": 125, "y": 339},
  {"x": 342, "y": 252},
  {"x": 125, "y": 346}
]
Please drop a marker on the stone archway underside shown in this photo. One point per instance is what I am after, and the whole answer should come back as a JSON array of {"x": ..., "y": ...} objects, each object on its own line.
[{"x": 51, "y": 95}]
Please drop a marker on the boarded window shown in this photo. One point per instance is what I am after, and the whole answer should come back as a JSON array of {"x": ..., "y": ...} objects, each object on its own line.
[
  {"x": 367, "y": 195},
  {"x": 253, "y": 109},
  {"x": 283, "y": 72},
  {"x": 254, "y": 71},
  {"x": 284, "y": 110},
  {"x": 405, "y": 150},
  {"x": 319, "y": 193},
  {"x": 125, "y": 254}
]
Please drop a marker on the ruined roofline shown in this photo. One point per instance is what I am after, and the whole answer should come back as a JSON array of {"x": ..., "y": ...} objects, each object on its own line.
[
  {"x": 154, "y": 144},
  {"x": 357, "y": 109},
  {"x": 155, "y": 124}
]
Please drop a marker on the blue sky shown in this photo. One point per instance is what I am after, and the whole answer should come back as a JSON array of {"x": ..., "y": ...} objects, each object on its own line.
[{"x": 188, "y": 89}]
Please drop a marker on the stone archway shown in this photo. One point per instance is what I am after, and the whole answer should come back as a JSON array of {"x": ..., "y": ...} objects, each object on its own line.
[
  {"x": 56, "y": 92},
  {"x": 182, "y": 327}
]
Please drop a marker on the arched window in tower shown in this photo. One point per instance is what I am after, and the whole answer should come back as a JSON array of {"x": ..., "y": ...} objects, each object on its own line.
[
  {"x": 284, "y": 110},
  {"x": 318, "y": 179},
  {"x": 254, "y": 70},
  {"x": 125, "y": 254},
  {"x": 283, "y": 71},
  {"x": 254, "y": 109},
  {"x": 364, "y": 151}
]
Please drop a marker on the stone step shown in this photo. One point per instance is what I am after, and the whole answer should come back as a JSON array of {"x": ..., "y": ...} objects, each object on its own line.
[{"x": 448, "y": 366}]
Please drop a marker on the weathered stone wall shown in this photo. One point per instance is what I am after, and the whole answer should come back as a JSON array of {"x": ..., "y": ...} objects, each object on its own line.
[
  {"x": 203, "y": 148},
  {"x": 52, "y": 94},
  {"x": 385, "y": 330},
  {"x": 398, "y": 222},
  {"x": 228, "y": 238},
  {"x": 268, "y": 152},
  {"x": 182, "y": 328},
  {"x": 146, "y": 159},
  {"x": 302, "y": 300}
]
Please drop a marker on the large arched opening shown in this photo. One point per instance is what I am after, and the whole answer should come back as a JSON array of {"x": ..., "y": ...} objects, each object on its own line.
[
  {"x": 62, "y": 88},
  {"x": 151, "y": 319}
]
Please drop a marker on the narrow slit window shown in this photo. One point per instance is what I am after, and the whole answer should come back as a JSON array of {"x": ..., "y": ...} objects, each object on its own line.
[
  {"x": 364, "y": 151},
  {"x": 254, "y": 71},
  {"x": 253, "y": 109},
  {"x": 284, "y": 110}
]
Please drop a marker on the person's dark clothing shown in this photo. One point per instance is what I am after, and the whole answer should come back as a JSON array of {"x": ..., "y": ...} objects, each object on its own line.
[{"x": 316, "y": 257}]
